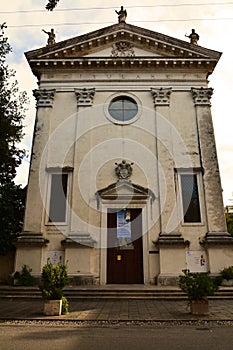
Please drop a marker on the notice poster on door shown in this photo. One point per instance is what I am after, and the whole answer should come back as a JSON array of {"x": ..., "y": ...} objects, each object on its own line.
[
  {"x": 123, "y": 225},
  {"x": 196, "y": 261}
]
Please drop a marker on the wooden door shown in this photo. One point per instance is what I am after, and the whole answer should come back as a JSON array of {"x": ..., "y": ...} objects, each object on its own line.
[{"x": 124, "y": 255}]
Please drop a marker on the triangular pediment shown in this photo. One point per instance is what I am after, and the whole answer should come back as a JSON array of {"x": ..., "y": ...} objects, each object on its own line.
[
  {"x": 123, "y": 46},
  {"x": 144, "y": 42},
  {"x": 124, "y": 189}
]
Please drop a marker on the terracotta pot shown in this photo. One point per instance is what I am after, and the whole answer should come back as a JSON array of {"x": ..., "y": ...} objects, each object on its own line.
[
  {"x": 200, "y": 307},
  {"x": 52, "y": 307}
]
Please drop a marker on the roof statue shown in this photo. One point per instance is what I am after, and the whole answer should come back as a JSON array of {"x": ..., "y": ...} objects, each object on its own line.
[
  {"x": 51, "y": 38},
  {"x": 194, "y": 37},
  {"x": 122, "y": 14}
]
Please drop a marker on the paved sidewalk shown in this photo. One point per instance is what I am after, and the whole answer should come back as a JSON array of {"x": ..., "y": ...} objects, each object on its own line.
[{"x": 116, "y": 310}]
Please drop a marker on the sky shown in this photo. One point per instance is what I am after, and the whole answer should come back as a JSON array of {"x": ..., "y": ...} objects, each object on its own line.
[{"x": 212, "y": 20}]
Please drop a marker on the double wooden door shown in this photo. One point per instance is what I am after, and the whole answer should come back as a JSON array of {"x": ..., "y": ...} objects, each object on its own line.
[{"x": 124, "y": 254}]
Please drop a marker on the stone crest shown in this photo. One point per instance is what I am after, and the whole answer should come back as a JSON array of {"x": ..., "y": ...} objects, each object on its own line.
[
  {"x": 123, "y": 170},
  {"x": 122, "y": 49}
]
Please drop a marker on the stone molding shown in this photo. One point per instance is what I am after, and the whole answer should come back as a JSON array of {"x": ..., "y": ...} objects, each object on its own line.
[
  {"x": 161, "y": 96},
  {"x": 202, "y": 96},
  {"x": 44, "y": 97},
  {"x": 78, "y": 239},
  {"x": 84, "y": 97},
  {"x": 34, "y": 239},
  {"x": 171, "y": 239},
  {"x": 217, "y": 239},
  {"x": 58, "y": 169}
]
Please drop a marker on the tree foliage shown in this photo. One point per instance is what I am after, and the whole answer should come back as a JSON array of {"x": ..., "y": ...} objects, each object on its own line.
[
  {"x": 53, "y": 280},
  {"x": 51, "y": 5},
  {"x": 229, "y": 218},
  {"x": 12, "y": 199},
  {"x": 12, "y": 113}
]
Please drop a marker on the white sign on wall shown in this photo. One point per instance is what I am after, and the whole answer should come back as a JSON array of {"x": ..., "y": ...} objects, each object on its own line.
[
  {"x": 196, "y": 261},
  {"x": 55, "y": 257}
]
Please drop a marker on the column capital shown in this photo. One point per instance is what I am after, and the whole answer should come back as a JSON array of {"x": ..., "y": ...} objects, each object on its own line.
[
  {"x": 161, "y": 96},
  {"x": 202, "y": 96},
  {"x": 84, "y": 97},
  {"x": 44, "y": 97}
]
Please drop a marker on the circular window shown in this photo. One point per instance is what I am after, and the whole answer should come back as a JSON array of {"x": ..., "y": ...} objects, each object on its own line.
[{"x": 123, "y": 108}]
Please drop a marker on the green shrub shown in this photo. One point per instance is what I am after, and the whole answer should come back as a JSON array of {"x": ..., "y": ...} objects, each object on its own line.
[
  {"x": 197, "y": 285},
  {"x": 53, "y": 280},
  {"x": 65, "y": 306},
  {"x": 227, "y": 273},
  {"x": 24, "y": 277}
]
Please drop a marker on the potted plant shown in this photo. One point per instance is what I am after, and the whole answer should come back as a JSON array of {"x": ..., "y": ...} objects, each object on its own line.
[
  {"x": 227, "y": 276},
  {"x": 197, "y": 286},
  {"x": 53, "y": 280}
]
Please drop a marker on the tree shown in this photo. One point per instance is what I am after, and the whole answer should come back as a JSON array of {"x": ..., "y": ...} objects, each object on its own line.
[
  {"x": 12, "y": 202},
  {"x": 12, "y": 113},
  {"x": 229, "y": 218},
  {"x": 51, "y": 5}
]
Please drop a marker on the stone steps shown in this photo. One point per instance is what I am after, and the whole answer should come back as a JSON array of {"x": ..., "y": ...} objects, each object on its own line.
[{"x": 109, "y": 293}]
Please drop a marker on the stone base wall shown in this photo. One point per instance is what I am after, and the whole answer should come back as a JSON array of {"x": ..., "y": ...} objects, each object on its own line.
[{"x": 166, "y": 280}]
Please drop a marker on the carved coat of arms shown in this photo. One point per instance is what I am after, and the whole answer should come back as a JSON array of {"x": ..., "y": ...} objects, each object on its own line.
[
  {"x": 122, "y": 49},
  {"x": 124, "y": 170}
]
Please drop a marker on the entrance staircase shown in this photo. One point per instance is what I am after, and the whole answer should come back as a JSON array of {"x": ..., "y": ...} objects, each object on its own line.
[{"x": 109, "y": 292}]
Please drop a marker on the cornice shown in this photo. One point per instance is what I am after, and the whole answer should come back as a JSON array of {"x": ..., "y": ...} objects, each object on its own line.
[{"x": 125, "y": 64}]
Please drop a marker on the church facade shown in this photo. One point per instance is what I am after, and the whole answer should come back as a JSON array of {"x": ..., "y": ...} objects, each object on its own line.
[{"x": 124, "y": 183}]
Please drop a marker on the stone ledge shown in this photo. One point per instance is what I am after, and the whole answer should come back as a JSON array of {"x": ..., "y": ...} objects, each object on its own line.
[
  {"x": 81, "y": 280},
  {"x": 168, "y": 280},
  {"x": 78, "y": 240},
  {"x": 217, "y": 238},
  {"x": 171, "y": 239},
  {"x": 34, "y": 239}
]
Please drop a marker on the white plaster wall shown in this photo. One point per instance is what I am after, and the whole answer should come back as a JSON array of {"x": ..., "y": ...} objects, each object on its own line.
[{"x": 93, "y": 156}]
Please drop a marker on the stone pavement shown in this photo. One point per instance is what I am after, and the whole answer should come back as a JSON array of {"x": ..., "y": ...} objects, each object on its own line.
[{"x": 116, "y": 310}]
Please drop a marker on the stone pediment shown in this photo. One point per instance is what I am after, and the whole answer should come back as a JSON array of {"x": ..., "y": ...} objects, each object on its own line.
[
  {"x": 121, "y": 41},
  {"x": 124, "y": 189}
]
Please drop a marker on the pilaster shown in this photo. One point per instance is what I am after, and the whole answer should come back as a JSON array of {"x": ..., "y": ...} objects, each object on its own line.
[
  {"x": 34, "y": 204},
  {"x": 164, "y": 154},
  {"x": 211, "y": 178},
  {"x": 31, "y": 241},
  {"x": 80, "y": 207}
]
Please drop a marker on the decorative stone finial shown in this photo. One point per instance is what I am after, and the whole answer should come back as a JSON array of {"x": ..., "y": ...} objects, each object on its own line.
[
  {"x": 51, "y": 38},
  {"x": 194, "y": 37},
  {"x": 123, "y": 170},
  {"x": 122, "y": 14}
]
